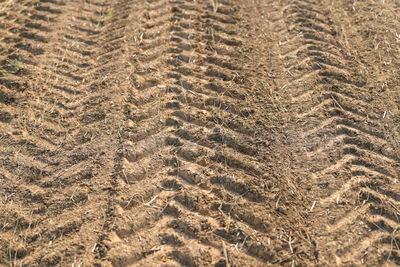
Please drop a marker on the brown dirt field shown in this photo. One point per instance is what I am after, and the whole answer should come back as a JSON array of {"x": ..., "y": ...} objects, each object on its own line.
[{"x": 199, "y": 133}]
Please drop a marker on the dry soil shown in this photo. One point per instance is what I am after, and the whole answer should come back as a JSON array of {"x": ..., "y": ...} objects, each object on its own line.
[{"x": 199, "y": 132}]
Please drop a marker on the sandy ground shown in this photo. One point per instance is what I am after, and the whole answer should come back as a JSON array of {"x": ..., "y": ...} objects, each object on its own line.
[{"x": 199, "y": 133}]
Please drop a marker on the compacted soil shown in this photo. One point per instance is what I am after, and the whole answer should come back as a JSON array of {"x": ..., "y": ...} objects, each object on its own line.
[{"x": 199, "y": 132}]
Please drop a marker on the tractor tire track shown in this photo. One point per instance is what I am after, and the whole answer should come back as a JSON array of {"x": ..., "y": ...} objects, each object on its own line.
[
  {"x": 48, "y": 164},
  {"x": 347, "y": 153},
  {"x": 198, "y": 133},
  {"x": 190, "y": 165}
]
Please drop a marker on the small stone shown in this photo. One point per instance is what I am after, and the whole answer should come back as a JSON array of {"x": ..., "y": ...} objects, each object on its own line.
[{"x": 130, "y": 124}]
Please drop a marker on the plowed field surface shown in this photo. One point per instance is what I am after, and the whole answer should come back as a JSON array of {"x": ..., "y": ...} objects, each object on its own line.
[{"x": 199, "y": 133}]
